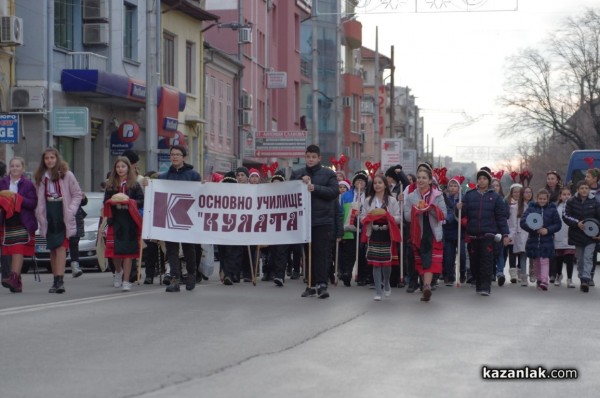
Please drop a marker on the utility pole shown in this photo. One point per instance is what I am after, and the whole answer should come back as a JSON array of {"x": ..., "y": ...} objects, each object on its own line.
[
  {"x": 392, "y": 99},
  {"x": 152, "y": 84},
  {"x": 376, "y": 83},
  {"x": 315, "y": 71}
]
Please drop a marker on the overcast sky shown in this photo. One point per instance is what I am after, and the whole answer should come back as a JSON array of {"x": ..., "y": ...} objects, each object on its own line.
[{"x": 454, "y": 62}]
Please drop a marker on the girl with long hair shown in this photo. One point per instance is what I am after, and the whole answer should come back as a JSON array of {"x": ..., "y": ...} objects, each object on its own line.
[
  {"x": 17, "y": 233},
  {"x": 425, "y": 209},
  {"x": 59, "y": 197},
  {"x": 122, "y": 200},
  {"x": 380, "y": 217}
]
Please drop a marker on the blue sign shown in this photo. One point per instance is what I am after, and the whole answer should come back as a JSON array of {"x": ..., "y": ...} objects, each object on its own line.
[
  {"x": 9, "y": 128},
  {"x": 117, "y": 147},
  {"x": 170, "y": 124}
]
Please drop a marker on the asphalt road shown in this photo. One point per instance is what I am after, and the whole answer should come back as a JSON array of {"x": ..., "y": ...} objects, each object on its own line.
[{"x": 264, "y": 341}]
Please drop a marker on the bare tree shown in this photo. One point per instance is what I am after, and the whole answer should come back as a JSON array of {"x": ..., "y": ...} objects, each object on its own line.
[{"x": 555, "y": 93}]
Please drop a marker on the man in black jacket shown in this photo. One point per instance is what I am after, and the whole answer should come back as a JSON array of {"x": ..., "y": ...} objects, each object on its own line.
[{"x": 323, "y": 186}]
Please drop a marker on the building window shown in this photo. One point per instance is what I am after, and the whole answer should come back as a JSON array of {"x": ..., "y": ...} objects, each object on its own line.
[
  {"x": 189, "y": 67},
  {"x": 168, "y": 64},
  {"x": 130, "y": 38},
  {"x": 229, "y": 124},
  {"x": 63, "y": 23},
  {"x": 297, "y": 32}
]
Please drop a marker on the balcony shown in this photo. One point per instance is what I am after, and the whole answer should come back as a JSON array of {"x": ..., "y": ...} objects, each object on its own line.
[
  {"x": 352, "y": 33},
  {"x": 88, "y": 61}
]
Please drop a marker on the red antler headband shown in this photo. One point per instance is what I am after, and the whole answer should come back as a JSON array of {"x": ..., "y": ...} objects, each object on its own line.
[
  {"x": 266, "y": 169},
  {"x": 372, "y": 168},
  {"x": 498, "y": 174}
]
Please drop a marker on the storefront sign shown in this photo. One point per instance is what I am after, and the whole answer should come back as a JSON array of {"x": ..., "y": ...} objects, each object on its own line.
[
  {"x": 9, "y": 128},
  {"x": 70, "y": 121},
  {"x": 276, "y": 79},
  {"x": 129, "y": 131},
  {"x": 280, "y": 144}
]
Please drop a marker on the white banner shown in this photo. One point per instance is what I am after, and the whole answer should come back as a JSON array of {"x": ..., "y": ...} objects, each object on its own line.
[{"x": 227, "y": 214}]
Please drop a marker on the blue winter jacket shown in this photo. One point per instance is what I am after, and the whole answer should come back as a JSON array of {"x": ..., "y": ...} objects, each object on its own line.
[
  {"x": 541, "y": 245},
  {"x": 450, "y": 227},
  {"x": 485, "y": 212}
]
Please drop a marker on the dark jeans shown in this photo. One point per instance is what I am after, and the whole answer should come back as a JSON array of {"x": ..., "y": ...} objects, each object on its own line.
[
  {"x": 321, "y": 249},
  {"x": 481, "y": 255},
  {"x": 450, "y": 249},
  {"x": 74, "y": 248},
  {"x": 569, "y": 260},
  {"x": 189, "y": 254},
  {"x": 295, "y": 251},
  {"x": 151, "y": 258}
]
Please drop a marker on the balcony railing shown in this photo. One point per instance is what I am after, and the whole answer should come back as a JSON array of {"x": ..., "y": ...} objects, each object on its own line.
[{"x": 87, "y": 60}]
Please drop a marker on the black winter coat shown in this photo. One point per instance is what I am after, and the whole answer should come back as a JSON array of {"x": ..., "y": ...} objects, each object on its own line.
[
  {"x": 578, "y": 210},
  {"x": 185, "y": 173},
  {"x": 537, "y": 245},
  {"x": 486, "y": 213},
  {"x": 324, "y": 198}
]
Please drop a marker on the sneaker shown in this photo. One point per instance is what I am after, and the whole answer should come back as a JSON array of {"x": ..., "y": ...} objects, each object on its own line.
[
  {"x": 322, "y": 292},
  {"x": 513, "y": 275},
  {"x": 570, "y": 283},
  {"x": 591, "y": 283},
  {"x": 149, "y": 281},
  {"x": 543, "y": 286},
  {"x": 190, "y": 284},
  {"x": 387, "y": 293},
  {"x": 558, "y": 280},
  {"x": 167, "y": 279},
  {"x": 247, "y": 279},
  {"x": 227, "y": 281},
  {"x": 309, "y": 292},
  {"x": 377, "y": 297},
  {"x": 585, "y": 287},
  {"x": 126, "y": 286},
  {"x": 484, "y": 293},
  {"x": 524, "y": 280},
  {"x": 118, "y": 279},
  {"x": 552, "y": 279},
  {"x": 278, "y": 282},
  {"x": 295, "y": 275},
  {"x": 54, "y": 285},
  {"x": 173, "y": 287},
  {"x": 411, "y": 288},
  {"x": 501, "y": 279},
  {"x": 76, "y": 271},
  {"x": 448, "y": 281}
]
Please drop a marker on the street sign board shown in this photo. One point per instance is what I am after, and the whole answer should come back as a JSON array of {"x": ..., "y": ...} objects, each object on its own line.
[
  {"x": 280, "y": 144},
  {"x": 9, "y": 128},
  {"x": 70, "y": 121},
  {"x": 391, "y": 152}
]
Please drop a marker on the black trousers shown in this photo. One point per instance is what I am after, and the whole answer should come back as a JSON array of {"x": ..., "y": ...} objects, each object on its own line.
[
  {"x": 295, "y": 256},
  {"x": 231, "y": 259},
  {"x": 189, "y": 254},
  {"x": 278, "y": 261},
  {"x": 481, "y": 256},
  {"x": 74, "y": 248},
  {"x": 321, "y": 254},
  {"x": 151, "y": 258}
]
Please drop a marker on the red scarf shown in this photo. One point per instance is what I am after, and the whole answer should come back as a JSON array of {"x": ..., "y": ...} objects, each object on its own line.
[
  {"x": 391, "y": 223},
  {"x": 415, "y": 225}
]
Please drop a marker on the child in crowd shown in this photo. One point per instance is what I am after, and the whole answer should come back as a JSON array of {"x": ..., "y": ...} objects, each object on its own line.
[
  {"x": 565, "y": 253},
  {"x": 540, "y": 243}
]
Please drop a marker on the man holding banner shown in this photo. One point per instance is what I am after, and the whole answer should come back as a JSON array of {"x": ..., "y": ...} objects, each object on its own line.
[{"x": 323, "y": 186}]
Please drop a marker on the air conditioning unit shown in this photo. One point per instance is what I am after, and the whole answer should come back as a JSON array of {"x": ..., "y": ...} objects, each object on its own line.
[
  {"x": 11, "y": 31},
  {"x": 245, "y": 35},
  {"x": 246, "y": 101},
  {"x": 27, "y": 98},
  {"x": 346, "y": 101},
  {"x": 247, "y": 118},
  {"x": 95, "y": 34},
  {"x": 95, "y": 9}
]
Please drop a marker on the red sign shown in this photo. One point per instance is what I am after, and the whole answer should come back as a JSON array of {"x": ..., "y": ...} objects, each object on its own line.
[{"x": 129, "y": 131}]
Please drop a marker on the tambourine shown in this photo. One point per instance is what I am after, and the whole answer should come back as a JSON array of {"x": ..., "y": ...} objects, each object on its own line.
[
  {"x": 591, "y": 227},
  {"x": 534, "y": 221}
]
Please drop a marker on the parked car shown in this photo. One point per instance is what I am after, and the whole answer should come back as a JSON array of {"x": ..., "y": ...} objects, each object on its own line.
[{"x": 87, "y": 244}]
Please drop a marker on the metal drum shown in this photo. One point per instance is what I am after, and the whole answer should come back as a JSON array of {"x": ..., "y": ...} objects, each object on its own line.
[
  {"x": 534, "y": 221},
  {"x": 591, "y": 227}
]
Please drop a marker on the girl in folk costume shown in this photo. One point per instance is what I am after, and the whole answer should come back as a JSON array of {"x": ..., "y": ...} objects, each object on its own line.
[
  {"x": 565, "y": 253},
  {"x": 18, "y": 200},
  {"x": 122, "y": 200},
  {"x": 517, "y": 236},
  {"x": 380, "y": 217},
  {"x": 352, "y": 202},
  {"x": 425, "y": 209},
  {"x": 59, "y": 197},
  {"x": 540, "y": 243}
]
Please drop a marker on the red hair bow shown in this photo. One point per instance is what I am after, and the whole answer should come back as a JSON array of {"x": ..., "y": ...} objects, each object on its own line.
[
  {"x": 590, "y": 161},
  {"x": 272, "y": 168},
  {"x": 498, "y": 174},
  {"x": 372, "y": 168}
]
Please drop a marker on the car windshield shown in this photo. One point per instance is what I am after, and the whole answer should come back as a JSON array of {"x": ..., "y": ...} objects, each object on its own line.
[{"x": 93, "y": 207}]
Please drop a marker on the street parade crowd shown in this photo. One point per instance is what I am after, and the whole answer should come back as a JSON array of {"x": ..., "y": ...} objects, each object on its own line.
[{"x": 379, "y": 228}]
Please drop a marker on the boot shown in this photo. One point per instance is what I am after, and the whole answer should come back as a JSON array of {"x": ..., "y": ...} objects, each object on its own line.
[
  {"x": 60, "y": 287},
  {"x": 190, "y": 283},
  {"x": 524, "y": 280},
  {"x": 513, "y": 275},
  {"x": 76, "y": 271},
  {"x": 13, "y": 282},
  {"x": 173, "y": 286}
]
